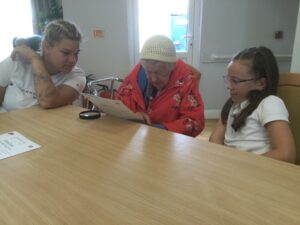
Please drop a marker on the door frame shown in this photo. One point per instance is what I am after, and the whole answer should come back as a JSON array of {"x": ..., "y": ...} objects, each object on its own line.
[{"x": 195, "y": 12}]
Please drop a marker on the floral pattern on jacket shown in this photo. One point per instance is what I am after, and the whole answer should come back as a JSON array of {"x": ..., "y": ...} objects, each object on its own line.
[{"x": 178, "y": 107}]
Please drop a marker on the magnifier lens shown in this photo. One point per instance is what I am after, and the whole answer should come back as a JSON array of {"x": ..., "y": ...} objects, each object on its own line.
[{"x": 90, "y": 114}]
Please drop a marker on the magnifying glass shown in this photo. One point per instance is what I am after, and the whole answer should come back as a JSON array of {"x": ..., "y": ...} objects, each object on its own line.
[{"x": 89, "y": 114}]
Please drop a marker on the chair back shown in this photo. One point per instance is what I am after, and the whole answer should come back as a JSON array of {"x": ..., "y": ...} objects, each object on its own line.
[
  {"x": 289, "y": 92},
  {"x": 33, "y": 42}
]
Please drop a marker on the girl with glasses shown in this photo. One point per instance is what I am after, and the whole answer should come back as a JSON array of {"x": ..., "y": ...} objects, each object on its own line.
[{"x": 254, "y": 119}]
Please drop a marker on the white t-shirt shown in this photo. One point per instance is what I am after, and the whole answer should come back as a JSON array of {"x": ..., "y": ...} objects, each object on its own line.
[
  {"x": 253, "y": 137},
  {"x": 17, "y": 77}
]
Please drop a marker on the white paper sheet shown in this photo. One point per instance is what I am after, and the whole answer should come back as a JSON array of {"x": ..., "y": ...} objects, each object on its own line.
[
  {"x": 113, "y": 107},
  {"x": 13, "y": 143}
]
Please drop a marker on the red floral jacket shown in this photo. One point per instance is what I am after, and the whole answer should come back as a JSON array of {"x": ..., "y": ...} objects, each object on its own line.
[{"x": 178, "y": 107}]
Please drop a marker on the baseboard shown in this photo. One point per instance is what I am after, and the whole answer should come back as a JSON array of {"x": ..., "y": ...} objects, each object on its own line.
[{"x": 212, "y": 113}]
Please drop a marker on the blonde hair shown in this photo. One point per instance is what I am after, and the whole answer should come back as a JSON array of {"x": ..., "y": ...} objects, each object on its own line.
[{"x": 57, "y": 30}]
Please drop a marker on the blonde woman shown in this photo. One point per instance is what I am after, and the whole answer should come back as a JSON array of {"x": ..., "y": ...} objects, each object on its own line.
[{"x": 49, "y": 78}]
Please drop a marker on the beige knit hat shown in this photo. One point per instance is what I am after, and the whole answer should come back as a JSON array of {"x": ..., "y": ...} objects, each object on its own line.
[{"x": 159, "y": 48}]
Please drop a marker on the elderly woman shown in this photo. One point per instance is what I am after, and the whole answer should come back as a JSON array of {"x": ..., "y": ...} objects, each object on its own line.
[
  {"x": 164, "y": 90},
  {"x": 50, "y": 79}
]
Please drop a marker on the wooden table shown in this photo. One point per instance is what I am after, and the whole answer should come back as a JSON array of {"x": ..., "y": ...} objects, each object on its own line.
[{"x": 112, "y": 171}]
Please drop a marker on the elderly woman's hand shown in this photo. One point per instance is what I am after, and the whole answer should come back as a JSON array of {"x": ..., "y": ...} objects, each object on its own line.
[{"x": 145, "y": 117}]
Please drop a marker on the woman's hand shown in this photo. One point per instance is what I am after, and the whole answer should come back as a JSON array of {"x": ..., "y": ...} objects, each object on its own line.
[{"x": 25, "y": 52}]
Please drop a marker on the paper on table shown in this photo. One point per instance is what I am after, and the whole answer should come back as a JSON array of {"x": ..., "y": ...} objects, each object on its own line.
[
  {"x": 13, "y": 143},
  {"x": 113, "y": 107}
]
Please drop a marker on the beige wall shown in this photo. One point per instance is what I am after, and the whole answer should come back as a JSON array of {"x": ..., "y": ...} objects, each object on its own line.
[{"x": 227, "y": 27}]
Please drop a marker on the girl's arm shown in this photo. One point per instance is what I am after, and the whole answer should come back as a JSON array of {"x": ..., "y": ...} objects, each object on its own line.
[
  {"x": 218, "y": 134},
  {"x": 2, "y": 93},
  {"x": 282, "y": 141}
]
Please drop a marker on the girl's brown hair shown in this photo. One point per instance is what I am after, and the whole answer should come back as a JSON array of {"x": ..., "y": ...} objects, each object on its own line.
[{"x": 262, "y": 64}]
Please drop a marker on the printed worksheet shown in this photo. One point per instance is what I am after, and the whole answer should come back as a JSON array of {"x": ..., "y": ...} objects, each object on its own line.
[
  {"x": 14, "y": 143},
  {"x": 113, "y": 107}
]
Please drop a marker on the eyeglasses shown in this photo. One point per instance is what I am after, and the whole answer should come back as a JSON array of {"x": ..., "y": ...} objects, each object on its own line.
[{"x": 235, "y": 81}]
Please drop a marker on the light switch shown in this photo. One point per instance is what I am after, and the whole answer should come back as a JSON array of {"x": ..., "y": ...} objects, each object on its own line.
[
  {"x": 97, "y": 33},
  {"x": 278, "y": 34}
]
